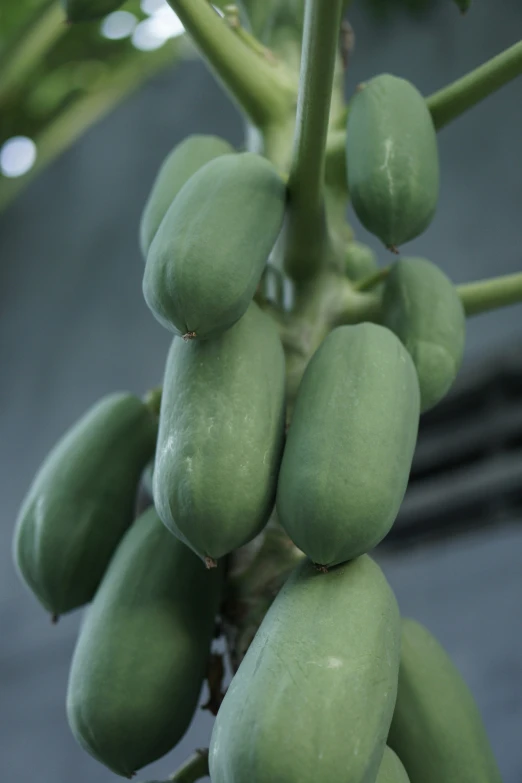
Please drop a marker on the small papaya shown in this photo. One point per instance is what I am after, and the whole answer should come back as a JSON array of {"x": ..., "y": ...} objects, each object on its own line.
[
  {"x": 391, "y": 769},
  {"x": 82, "y": 501},
  {"x": 437, "y": 730},
  {"x": 141, "y": 655},
  {"x": 360, "y": 261},
  {"x": 392, "y": 159},
  {"x": 221, "y": 435},
  {"x": 313, "y": 697},
  {"x": 421, "y": 306},
  {"x": 89, "y": 10},
  {"x": 181, "y": 163},
  {"x": 208, "y": 255},
  {"x": 350, "y": 444}
]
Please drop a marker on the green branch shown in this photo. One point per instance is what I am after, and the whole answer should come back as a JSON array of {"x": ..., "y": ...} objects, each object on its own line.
[
  {"x": 452, "y": 101},
  {"x": 260, "y": 86},
  {"x": 195, "y": 768},
  {"x": 30, "y": 46},
  {"x": 307, "y": 229},
  {"x": 484, "y": 295},
  {"x": 85, "y": 111}
]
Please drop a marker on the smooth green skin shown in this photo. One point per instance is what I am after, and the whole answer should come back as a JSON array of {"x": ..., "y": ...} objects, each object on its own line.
[
  {"x": 208, "y": 255},
  {"x": 392, "y": 160},
  {"x": 221, "y": 435},
  {"x": 350, "y": 445},
  {"x": 178, "y": 167},
  {"x": 81, "y": 502},
  {"x": 313, "y": 697},
  {"x": 89, "y": 10},
  {"x": 422, "y": 307},
  {"x": 360, "y": 261},
  {"x": 437, "y": 730},
  {"x": 141, "y": 656},
  {"x": 391, "y": 769}
]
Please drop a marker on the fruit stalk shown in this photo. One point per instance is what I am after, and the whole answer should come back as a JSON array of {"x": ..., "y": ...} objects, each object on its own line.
[
  {"x": 194, "y": 768},
  {"x": 261, "y": 88},
  {"x": 33, "y": 42},
  {"x": 307, "y": 228},
  {"x": 483, "y": 295},
  {"x": 450, "y": 102}
]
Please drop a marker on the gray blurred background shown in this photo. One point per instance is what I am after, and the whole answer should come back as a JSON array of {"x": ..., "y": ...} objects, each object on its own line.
[{"x": 74, "y": 326}]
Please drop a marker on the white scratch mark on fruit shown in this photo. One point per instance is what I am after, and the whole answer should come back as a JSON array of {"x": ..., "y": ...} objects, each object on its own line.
[
  {"x": 388, "y": 149},
  {"x": 334, "y": 663}
]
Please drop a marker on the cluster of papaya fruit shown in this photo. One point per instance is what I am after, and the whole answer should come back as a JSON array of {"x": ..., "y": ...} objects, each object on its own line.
[{"x": 334, "y": 684}]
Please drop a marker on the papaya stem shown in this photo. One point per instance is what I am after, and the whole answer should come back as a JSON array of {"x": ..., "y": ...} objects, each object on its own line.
[
  {"x": 307, "y": 227},
  {"x": 262, "y": 88},
  {"x": 194, "y": 768},
  {"x": 450, "y": 102},
  {"x": 35, "y": 39},
  {"x": 484, "y": 295},
  {"x": 372, "y": 280},
  {"x": 231, "y": 12}
]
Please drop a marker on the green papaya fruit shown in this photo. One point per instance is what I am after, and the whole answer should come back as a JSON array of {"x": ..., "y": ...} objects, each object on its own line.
[
  {"x": 142, "y": 652},
  {"x": 89, "y": 10},
  {"x": 422, "y": 307},
  {"x": 360, "y": 261},
  {"x": 208, "y": 255},
  {"x": 350, "y": 445},
  {"x": 178, "y": 167},
  {"x": 392, "y": 159},
  {"x": 437, "y": 731},
  {"x": 391, "y": 769},
  {"x": 313, "y": 697},
  {"x": 82, "y": 500},
  {"x": 221, "y": 435}
]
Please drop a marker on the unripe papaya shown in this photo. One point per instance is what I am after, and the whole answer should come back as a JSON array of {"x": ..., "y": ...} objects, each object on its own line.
[
  {"x": 422, "y": 307},
  {"x": 178, "y": 167},
  {"x": 221, "y": 435},
  {"x": 391, "y": 769},
  {"x": 82, "y": 501},
  {"x": 360, "y": 261},
  {"x": 208, "y": 255},
  {"x": 350, "y": 444},
  {"x": 141, "y": 655},
  {"x": 392, "y": 159},
  {"x": 437, "y": 730},
  {"x": 89, "y": 10},
  {"x": 313, "y": 697}
]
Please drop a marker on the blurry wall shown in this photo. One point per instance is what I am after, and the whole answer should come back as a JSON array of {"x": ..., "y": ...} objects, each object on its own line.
[{"x": 73, "y": 326}]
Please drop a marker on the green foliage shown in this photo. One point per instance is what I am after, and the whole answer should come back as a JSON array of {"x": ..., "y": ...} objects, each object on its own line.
[
  {"x": 313, "y": 698},
  {"x": 82, "y": 501},
  {"x": 89, "y": 10},
  {"x": 437, "y": 730},
  {"x": 221, "y": 435},
  {"x": 142, "y": 652},
  {"x": 350, "y": 445},
  {"x": 209, "y": 253}
]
